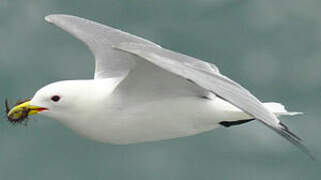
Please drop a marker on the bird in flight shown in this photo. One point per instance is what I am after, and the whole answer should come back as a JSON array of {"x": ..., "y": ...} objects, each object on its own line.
[{"x": 142, "y": 92}]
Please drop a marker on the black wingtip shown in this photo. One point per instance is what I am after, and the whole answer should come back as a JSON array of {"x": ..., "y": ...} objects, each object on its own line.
[
  {"x": 294, "y": 139},
  {"x": 284, "y": 131}
]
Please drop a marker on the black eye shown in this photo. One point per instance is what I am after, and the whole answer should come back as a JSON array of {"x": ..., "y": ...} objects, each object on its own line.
[{"x": 55, "y": 98}]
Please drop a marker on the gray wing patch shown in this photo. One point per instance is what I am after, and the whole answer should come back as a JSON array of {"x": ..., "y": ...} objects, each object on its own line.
[
  {"x": 203, "y": 65},
  {"x": 220, "y": 85}
]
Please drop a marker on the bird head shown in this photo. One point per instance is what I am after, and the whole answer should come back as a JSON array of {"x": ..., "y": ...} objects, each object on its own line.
[{"x": 61, "y": 100}]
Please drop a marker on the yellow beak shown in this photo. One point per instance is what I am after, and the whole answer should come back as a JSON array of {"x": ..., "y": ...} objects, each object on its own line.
[{"x": 15, "y": 112}]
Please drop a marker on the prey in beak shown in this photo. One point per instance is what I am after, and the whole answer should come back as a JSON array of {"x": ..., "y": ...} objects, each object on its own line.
[{"x": 21, "y": 110}]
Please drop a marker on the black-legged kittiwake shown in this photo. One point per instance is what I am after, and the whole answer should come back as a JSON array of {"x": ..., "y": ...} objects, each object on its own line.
[{"x": 143, "y": 92}]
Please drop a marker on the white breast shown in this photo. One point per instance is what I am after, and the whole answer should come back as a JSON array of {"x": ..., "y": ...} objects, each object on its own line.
[{"x": 158, "y": 120}]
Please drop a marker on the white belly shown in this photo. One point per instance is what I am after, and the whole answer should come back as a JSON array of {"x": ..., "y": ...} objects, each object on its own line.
[{"x": 159, "y": 120}]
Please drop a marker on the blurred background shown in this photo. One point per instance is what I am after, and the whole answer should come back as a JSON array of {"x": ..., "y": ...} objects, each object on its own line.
[{"x": 272, "y": 47}]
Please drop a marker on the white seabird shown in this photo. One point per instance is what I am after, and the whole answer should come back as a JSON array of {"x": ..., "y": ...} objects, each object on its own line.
[{"x": 143, "y": 92}]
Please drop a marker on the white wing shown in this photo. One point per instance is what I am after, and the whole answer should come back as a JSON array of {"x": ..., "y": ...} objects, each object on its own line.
[
  {"x": 112, "y": 63},
  {"x": 152, "y": 72},
  {"x": 100, "y": 39}
]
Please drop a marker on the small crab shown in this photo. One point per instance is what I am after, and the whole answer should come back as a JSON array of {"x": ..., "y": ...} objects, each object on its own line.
[{"x": 19, "y": 114}]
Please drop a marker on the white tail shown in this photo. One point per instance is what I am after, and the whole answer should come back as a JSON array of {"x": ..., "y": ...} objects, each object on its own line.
[{"x": 279, "y": 110}]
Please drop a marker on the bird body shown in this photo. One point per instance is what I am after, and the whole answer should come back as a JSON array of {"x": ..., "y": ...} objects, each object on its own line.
[
  {"x": 118, "y": 122},
  {"x": 142, "y": 92}
]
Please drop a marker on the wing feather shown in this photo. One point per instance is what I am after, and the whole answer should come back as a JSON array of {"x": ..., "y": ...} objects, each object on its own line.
[
  {"x": 100, "y": 38},
  {"x": 217, "y": 83}
]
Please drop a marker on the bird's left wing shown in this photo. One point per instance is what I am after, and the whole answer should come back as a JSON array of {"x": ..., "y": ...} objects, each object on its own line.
[{"x": 184, "y": 67}]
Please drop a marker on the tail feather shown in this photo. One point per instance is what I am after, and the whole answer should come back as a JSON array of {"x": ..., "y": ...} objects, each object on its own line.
[
  {"x": 279, "y": 109},
  {"x": 280, "y": 128}
]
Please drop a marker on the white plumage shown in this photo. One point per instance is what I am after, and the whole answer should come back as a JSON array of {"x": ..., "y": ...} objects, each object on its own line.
[{"x": 143, "y": 92}]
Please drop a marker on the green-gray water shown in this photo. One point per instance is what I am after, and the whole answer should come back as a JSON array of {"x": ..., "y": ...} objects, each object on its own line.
[{"x": 271, "y": 47}]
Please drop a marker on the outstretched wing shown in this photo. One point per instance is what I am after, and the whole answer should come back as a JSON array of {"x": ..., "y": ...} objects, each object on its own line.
[
  {"x": 223, "y": 87},
  {"x": 110, "y": 62},
  {"x": 100, "y": 39}
]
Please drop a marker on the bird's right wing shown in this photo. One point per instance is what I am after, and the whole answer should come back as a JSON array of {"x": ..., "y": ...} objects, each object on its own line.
[{"x": 100, "y": 38}]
